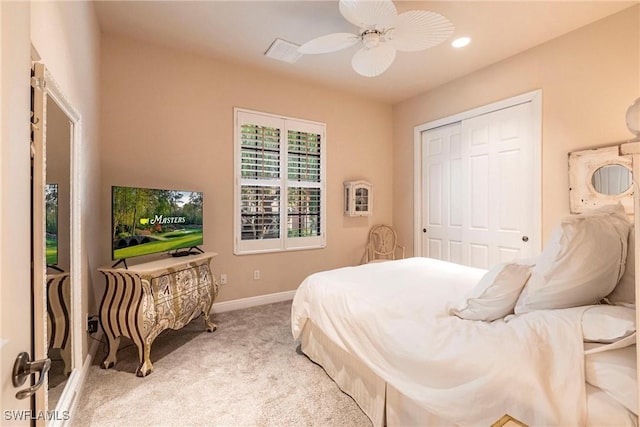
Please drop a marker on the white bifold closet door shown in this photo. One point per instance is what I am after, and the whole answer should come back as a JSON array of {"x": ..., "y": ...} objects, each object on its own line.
[{"x": 478, "y": 177}]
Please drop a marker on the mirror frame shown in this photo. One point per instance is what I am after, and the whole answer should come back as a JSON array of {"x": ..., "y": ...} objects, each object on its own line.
[
  {"x": 54, "y": 93},
  {"x": 582, "y": 166}
]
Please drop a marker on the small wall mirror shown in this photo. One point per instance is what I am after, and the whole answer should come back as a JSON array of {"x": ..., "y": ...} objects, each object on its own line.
[
  {"x": 600, "y": 177},
  {"x": 611, "y": 179}
]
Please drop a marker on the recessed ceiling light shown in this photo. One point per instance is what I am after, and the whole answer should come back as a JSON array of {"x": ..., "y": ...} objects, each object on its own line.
[{"x": 461, "y": 42}]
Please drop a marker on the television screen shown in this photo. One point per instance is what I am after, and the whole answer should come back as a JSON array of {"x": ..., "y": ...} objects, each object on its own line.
[
  {"x": 51, "y": 223},
  {"x": 146, "y": 221}
]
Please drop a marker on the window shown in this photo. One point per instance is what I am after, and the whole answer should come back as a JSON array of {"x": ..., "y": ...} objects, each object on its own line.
[{"x": 280, "y": 185}]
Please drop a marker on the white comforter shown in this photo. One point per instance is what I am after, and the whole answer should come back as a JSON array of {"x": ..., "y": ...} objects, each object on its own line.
[{"x": 393, "y": 316}]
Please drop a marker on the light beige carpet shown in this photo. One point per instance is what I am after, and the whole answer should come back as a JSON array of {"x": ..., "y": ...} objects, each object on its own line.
[{"x": 247, "y": 373}]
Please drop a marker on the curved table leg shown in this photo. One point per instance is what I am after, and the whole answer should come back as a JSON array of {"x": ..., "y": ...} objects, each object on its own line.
[
  {"x": 208, "y": 324},
  {"x": 146, "y": 367},
  {"x": 112, "y": 357}
]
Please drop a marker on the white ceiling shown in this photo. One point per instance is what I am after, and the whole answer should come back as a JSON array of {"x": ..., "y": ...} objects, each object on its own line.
[{"x": 241, "y": 31}]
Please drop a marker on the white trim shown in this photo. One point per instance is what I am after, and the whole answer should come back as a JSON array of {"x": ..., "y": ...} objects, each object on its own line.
[
  {"x": 535, "y": 98},
  {"x": 478, "y": 111},
  {"x": 75, "y": 262},
  {"x": 238, "y": 304},
  {"x": 417, "y": 189},
  {"x": 75, "y": 385}
]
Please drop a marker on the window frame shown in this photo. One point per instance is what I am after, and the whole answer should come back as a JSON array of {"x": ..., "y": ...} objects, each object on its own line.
[{"x": 283, "y": 243}]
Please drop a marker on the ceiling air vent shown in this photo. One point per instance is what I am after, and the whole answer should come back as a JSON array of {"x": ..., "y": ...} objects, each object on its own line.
[{"x": 283, "y": 50}]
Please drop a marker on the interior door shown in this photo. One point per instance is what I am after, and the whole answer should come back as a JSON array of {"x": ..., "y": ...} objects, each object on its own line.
[
  {"x": 477, "y": 205},
  {"x": 39, "y": 363},
  {"x": 15, "y": 223},
  {"x": 442, "y": 179}
]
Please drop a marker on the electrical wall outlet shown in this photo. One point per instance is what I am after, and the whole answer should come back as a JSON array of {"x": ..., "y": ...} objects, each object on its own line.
[
  {"x": 256, "y": 274},
  {"x": 92, "y": 324},
  {"x": 223, "y": 279}
]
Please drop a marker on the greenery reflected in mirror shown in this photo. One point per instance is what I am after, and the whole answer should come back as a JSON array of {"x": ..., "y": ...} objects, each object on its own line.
[
  {"x": 51, "y": 224},
  {"x": 612, "y": 179},
  {"x": 58, "y": 134}
]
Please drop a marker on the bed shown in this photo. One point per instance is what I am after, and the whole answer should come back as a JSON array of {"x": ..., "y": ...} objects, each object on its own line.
[{"x": 549, "y": 341}]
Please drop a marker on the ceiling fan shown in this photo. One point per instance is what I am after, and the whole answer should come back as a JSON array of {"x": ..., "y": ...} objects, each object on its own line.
[{"x": 382, "y": 32}]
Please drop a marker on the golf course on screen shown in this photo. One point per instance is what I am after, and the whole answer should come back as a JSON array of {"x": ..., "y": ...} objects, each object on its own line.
[{"x": 147, "y": 221}]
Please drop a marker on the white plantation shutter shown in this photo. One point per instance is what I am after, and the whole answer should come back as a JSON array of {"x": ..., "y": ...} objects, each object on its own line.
[
  {"x": 279, "y": 196},
  {"x": 260, "y": 151},
  {"x": 260, "y": 217},
  {"x": 304, "y": 155}
]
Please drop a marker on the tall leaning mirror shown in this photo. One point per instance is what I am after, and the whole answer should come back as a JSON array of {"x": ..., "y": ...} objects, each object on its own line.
[
  {"x": 57, "y": 252},
  {"x": 60, "y": 126}
]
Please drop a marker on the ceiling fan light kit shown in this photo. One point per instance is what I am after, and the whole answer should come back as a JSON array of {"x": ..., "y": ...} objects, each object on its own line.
[{"x": 382, "y": 33}]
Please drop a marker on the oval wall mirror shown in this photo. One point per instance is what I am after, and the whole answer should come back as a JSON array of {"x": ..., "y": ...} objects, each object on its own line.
[{"x": 612, "y": 179}]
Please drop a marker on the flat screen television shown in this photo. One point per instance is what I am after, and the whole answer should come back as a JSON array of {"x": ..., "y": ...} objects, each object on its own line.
[
  {"x": 51, "y": 223},
  {"x": 145, "y": 221}
]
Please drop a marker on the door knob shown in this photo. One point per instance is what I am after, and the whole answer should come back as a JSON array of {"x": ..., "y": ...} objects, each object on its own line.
[
  {"x": 23, "y": 368},
  {"x": 424, "y": 230},
  {"x": 525, "y": 238}
]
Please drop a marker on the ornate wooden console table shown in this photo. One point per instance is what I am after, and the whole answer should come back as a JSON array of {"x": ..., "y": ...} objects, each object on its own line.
[{"x": 145, "y": 299}]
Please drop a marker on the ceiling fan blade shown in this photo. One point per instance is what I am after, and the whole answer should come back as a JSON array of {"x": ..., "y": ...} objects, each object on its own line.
[
  {"x": 329, "y": 43},
  {"x": 369, "y": 13},
  {"x": 419, "y": 29},
  {"x": 375, "y": 61}
]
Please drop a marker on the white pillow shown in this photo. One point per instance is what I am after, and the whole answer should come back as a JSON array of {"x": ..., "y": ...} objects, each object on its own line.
[
  {"x": 495, "y": 295},
  {"x": 581, "y": 264},
  {"x": 625, "y": 291},
  {"x": 614, "y": 372},
  {"x": 608, "y": 323}
]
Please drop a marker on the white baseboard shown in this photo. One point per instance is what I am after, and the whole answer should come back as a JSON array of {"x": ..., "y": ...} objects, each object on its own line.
[
  {"x": 72, "y": 392},
  {"x": 237, "y": 304}
]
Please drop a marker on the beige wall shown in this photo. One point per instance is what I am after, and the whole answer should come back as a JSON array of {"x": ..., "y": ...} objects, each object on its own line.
[
  {"x": 67, "y": 38},
  {"x": 588, "y": 79},
  {"x": 167, "y": 122}
]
